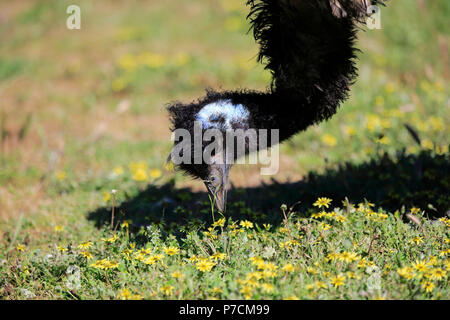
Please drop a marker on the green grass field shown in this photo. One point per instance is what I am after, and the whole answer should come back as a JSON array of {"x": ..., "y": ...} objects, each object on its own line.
[{"x": 82, "y": 114}]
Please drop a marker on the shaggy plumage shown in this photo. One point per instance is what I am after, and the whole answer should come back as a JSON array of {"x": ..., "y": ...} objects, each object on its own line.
[{"x": 308, "y": 45}]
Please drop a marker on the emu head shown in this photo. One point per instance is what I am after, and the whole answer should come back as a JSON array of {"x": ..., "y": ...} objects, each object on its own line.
[{"x": 200, "y": 148}]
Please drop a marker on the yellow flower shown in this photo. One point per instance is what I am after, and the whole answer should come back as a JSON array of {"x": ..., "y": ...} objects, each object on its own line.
[
  {"x": 438, "y": 274},
  {"x": 170, "y": 251},
  {"x": 219, "y": 223},
  {"x": 267, "y": 287},
  {"x": 119, "y": 84},
  {"x": 340, "y": 218},
  {"x": 124, "y": 294},
  {"x": 329, "y": 140},
  {"x": 268, "y": 274},
  {"x": 288, "y": 268},
  {"x": 177, "y": 275},
  {"x": 427, "y": 144},
  {"x": 105, "y": 264},
  {"x": 324, "y": 226},
  {"x": 322, "y": 202},
  {"x": 406, "y": 272},
  {"x": 379, "y": 101},
  {"x": 149, "y": 260},
  {"x": 216, "y": 290},
  {"x": 86, "y": 254},
  {"x": 155, "y": 173},
  {"x": 415, "y": 210},
  {"x": 338, "y": 280},
  {"x": 167, "y": 290},
  {"x": 291, "y": 298},
  {"x": 169, "y": 166},
  {"x": 318, "y": 215},
  {"x": 348, "y": 256},
  {"x": 111, "y": 239},
  {"x": 428, "y": 286},
  {"x": 384, "y": 140},
  {"x": 441, "y": 150},
  {"x": 267, "y": 266},
  {"x": 331, "y": 256},
  {"x": 59, "y": 228},
  {"x": 193, "y": 258},
  {"x": 256, "y": 260},
  {"x": 420, "y": 265},
  {"x": 390, "y": 87},
  {"x": 61, "y": 175},
  {"x": 20, "y": 247},
  {"x": 204, "y": 266},
  {"x": 85, "y": 245},
  {"x": 311, "y": 270},
  {"x": 436, "y": 124},
  {"x": 246, "y": 224},
  {"x": 140, "y": 175},
  {"x": 350, "y": 131},
  {"x": 246, "y": 291},
  {"x": 218, "y": 256},
  {"x": 289, "y": 244},
  {"x": 416, "y": 240},
  {"x": 61, "y": 249},
  {"x": 254, "y": 275},
  {"x": 320, "y": 285},
  {"x": 106, "y": 196},
  {"x": 118, "y": 170},
  {"x": 128, "y": 62}
]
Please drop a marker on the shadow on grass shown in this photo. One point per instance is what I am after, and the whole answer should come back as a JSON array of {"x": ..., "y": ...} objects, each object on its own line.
[{"x": 421, "y": 180}]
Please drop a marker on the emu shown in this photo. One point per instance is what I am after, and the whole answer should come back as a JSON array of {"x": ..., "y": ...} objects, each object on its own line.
[{"x": 309, "y": 48}]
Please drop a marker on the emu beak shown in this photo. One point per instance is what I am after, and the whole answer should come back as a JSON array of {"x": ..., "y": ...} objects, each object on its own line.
[{"x": 217, "y": 183}]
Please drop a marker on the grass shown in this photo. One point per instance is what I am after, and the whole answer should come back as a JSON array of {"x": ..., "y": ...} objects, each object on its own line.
[{"x": 81, "y": 114}]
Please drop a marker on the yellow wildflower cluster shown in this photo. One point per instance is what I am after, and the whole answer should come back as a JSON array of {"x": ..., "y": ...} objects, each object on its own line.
[
  {"x": 316, "y": 285},
  {"x": 289, "y": 244},
  {"x": 112, "y": 239},
  {"x": 329, "y": 215},
  {"x": 445, "y": 221},
  {"x": 105, "y": 264},
  {"x": 370, "y": 214},
  {"x": 211, "y": 233},
  {"x": 426, "y": 271},
  {"x": 345, "y": 256},
  {"x": 141, "y": 172},
  {"x": 126, "y": 294}
]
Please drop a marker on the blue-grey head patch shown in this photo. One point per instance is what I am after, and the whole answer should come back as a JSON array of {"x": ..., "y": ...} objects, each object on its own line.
[{"x": 221, "y": 114}]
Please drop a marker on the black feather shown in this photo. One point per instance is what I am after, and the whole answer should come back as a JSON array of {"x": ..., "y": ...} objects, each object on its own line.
[{"x": 308, "y": 45}]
